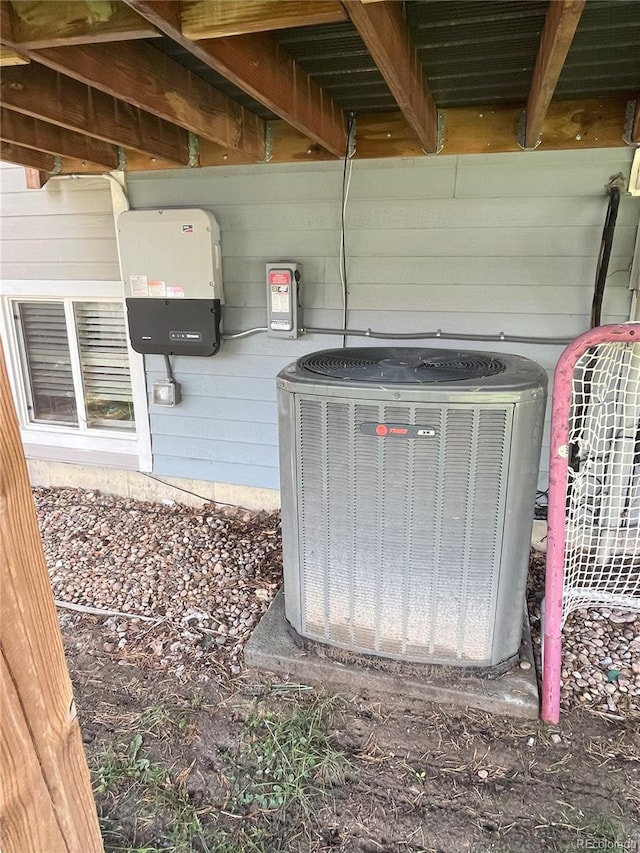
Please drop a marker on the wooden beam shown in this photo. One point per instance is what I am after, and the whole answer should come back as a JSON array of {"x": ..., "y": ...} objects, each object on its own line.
[
  {"x": 388, "y": 40},
  {"x": 635, "y": 127},
  {"x": 259, "y": 67},
  {"x": 40, "y": 24},
  {"x": 569, "y": 125},
  {"x": 577, "y": 125},
  {"x": 144, "y": 77},
  {"x": 559, "y": 29},
  {"x": 28, "y": 157},
  {"x": 10, "y": 57},
  {"x": 204, "y": 19},
  {"x": 46, "y": 800},
  {"x": 34, "y": 179},
  {"x": 27, "y": 131},
  {"x": 36, "y": 91}
]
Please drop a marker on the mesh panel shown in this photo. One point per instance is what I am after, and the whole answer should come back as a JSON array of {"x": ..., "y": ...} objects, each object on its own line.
[
  {"x": 400, "y": 539},
  {"x": 602, "y": 546}
]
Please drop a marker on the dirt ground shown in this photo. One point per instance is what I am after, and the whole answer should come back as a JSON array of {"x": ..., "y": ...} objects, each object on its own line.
[
  {"x": 252, "y": 764},
  {"x": 191, "y": 752}
]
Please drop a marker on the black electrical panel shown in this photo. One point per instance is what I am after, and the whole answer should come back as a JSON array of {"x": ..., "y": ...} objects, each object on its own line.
[{"x": 174, "y": 326}]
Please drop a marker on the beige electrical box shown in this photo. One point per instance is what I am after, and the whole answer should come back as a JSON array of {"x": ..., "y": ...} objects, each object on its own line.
[{"x": 171, "y": 254}]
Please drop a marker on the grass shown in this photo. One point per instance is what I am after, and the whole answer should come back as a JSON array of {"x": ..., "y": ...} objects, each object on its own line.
[
  {"x": 127, "y": 774},
  {"x": 595, "y": 827},
  {"x": 284, "y": 763},
  {"x": 291, "y": 757}
]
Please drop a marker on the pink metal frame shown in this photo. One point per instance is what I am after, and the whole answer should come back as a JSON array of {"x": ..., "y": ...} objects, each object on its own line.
[{"x": 558, "y": 469}]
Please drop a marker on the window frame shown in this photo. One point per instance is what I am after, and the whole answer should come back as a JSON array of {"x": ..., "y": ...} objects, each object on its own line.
[{"x": 130, "y": 448}]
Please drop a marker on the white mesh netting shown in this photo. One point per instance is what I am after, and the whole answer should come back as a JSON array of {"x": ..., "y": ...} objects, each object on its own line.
[{"x": 602, "y": 545}]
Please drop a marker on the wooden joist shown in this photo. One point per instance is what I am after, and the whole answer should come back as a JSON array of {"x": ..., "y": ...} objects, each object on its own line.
[
  {"x": 38, "y": 160},
  {"x": 53, "y": 23},
  {"x": 144, "y": 77},
  {"x": 34, "y": 179},
  {"x": 204, "y": 19},
  {"x": 560, "y": 26},
  {"x": 48, "y": 164},
  {"x": 387, "y": 38},
  {"x": 255, "y": 64},
  {"x": 11, "y": 57},
  {"x": 47, "y": 95},
  {"x": 29, "y": 132}
]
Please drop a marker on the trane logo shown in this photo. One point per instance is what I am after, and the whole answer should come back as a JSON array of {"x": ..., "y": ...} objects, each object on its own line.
[{"x": 397, "y": 430}]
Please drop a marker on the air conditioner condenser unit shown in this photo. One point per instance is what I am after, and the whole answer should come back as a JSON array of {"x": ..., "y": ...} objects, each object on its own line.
[{"x": 408, "y": 481}]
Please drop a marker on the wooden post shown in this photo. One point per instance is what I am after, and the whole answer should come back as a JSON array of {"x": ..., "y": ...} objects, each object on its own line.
[{"x": 46, "y": 803}]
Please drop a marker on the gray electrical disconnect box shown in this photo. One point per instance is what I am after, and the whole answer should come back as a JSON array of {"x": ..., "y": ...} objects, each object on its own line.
[{"x": 283, "y": 300}]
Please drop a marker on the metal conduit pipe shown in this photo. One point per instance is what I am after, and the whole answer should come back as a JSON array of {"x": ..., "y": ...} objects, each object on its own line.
[
  {"x": 440, "y": 335},
  {"x": 414, "y": 336}
]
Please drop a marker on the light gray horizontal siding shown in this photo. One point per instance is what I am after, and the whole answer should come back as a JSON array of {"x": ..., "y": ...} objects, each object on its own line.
[
  {"x": 533, "y": 214},
  {"x": 245, "y": 432},
  {"x": 236, "y": 472},
  {"x": 67, "y": 250},
  {"x": 63, "y": 231},
  {"x": 52, "y": 271},
  {"x": 207, "y": 385},
  {"x": 227, "y": 364},
  {"x": 203, "y": 414},
  {"x": 60, "y": 227},
  {"x": 479, "y": 244}
]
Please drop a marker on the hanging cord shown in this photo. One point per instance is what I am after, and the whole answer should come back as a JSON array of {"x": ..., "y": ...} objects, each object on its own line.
[
  {"x": 605, "y": 254},
  {"x": 346, "y": 185},
  {"x": 167, "y": 362}
]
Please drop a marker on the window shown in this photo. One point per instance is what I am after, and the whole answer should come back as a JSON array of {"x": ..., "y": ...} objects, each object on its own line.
[{"x": 76, "y": 364}]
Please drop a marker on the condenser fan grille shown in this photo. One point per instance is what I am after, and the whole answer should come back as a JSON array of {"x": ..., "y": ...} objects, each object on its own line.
[{"x": 405, "y": 366}]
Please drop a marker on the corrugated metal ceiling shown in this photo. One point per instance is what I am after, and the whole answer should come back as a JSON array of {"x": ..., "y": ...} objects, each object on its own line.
[
  {"x": 477, "y": 52},
  {"x": 472, "y": 52},
  {"x": 334, "y": 55},
  {"x": 605, "y": 54}
]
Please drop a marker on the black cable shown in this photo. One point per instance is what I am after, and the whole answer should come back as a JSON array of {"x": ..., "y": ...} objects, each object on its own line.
[
  {"x": 194, "y": 494},
  {"x": 605, "y": 255},
  {"x": 167, "y": 362},
  {"x": 541, "y": 504}
]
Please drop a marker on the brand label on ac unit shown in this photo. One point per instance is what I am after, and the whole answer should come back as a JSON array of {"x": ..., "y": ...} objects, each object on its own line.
[{"x": 389, "y": 430}]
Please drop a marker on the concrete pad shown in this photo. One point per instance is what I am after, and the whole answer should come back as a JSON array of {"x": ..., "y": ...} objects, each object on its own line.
[{"x": 273, "y": 648}]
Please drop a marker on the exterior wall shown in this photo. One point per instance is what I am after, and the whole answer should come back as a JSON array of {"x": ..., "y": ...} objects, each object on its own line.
[
  {"x": 64, "y": 231},
  {"x": 60, "y": 241},
  {"x": 473, "y": 244}
]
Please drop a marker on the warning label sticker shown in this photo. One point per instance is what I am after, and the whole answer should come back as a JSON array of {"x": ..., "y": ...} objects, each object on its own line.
[
  {"x": 279, "y": 277},
  {"x": 157, "y": 289},
  {"x": 138, "y": 285},
  {"x": 280, "y": 298},
  {"x": 175, "y": 292}
]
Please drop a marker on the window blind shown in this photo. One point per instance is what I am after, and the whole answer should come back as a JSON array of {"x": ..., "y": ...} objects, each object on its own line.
[
  {"x": 48, "y": 360},
  {"x": 102, "y": 342}
]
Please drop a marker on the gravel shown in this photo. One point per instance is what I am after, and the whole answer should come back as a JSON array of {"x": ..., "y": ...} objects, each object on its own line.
[
  {"x": 207, "y": 575},
  {"x": 600, "y": 653}
]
